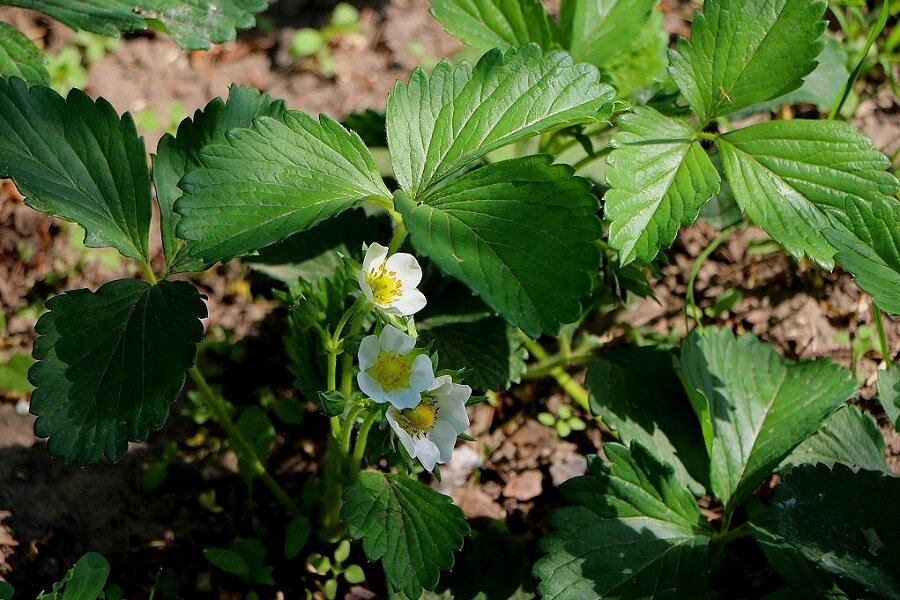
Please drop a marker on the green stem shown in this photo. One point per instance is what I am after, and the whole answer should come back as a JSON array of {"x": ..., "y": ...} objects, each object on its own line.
[
  {"x": 726, "y": 536},
  {"x": 882, "y": 336},
  {"x": 349, "y": 422},
  {"x": 362, "y": 438},
  {"x": 399, "y": 232},
  {"x": 239, "y": 443},
  {"x": 542, "y": 369},
  {"x": 848, "y": 85},
  {"x": 148, "y": 272},
  {"x": 589, "y": 159},
  {"x": 695, "y": 268}
]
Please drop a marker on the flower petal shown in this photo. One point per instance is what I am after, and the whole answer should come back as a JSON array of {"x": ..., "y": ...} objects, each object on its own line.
[
  {"x": 422, "y": 376},
  {"x": 407, "y": 268},
  {"x": 394, "y": 340},
  {"x": 409, "y": 303},
  {"x": 368, "y": 351},
  {"x": 401, "y": 434},
  {"x": 427, "y": 452},
  {"x": 364, "y": 285},
  {"x": 403, "y": 398},
  {"x": 439, "y": 382},
  {"x": 371, "y": 388},
  {"x": 444, "y": 439},
  {"x": 375, "y": 256}
]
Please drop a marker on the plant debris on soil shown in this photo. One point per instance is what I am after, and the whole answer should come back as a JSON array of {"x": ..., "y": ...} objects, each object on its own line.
[{"x": 51, "y": 513}]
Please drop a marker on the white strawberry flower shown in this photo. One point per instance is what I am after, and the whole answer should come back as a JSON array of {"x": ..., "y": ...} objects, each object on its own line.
[
  {"x": 429, "y": 430},
  {"x": 392, "y": 370},
  {"x": 390, "y": 282}
]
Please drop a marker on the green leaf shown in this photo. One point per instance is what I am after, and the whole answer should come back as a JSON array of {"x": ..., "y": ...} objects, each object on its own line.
[
  {"x": 637, "y": 392},
  {"x": 793, "y": 177},
  {"x": 281, "y": 177},
  {"x": 485, "y": 345},
  {"x": 806, "y": 579},
  {"x": 636, "y": 532},
  {"x": 870, "y": 250},
  {"x": 6, "y": 591},
  {"x": 19, "y": 57},
  {"x": 487, "y": 24},
  {"x": 109, "y": 363},
  {"x": 227, "y": 560},
  {"x": 76, "y": 159},
  {"x": 660, "y": 176},
  {"x": 89, "y": 576},
  {"x": 849, "y": 437},
  {"x": 14, "y": 373},
  {"x": 643, "y": 60},
  {"x": 761, "y": 405},
  {"x": 439, "y": 123},
  {"x": 193, "y": 24},
  {"x": 842, "y": 522},
  {"x": 178, "y": 155},
  {"x": 889, "y": 393},
  {"x": 520, "y": 233},
  {"x": 598, "y": 32},
  {"x": 412, "y": 528},
  {"x": 296, "y": 534},
  {"x": 743, "y": 52}
]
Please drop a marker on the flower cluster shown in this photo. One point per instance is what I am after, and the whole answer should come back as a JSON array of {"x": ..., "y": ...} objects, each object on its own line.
[{"x": 427, "y": 413}]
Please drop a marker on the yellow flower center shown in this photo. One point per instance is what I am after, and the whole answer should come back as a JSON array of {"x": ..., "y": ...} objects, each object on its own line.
[
  {"x": 386, "y": 287},
  {"x": 391, "y": 371},
  {"x": 422, "y": 417}
]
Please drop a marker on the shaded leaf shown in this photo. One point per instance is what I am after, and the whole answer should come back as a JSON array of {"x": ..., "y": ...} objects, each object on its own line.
[
  {"x": 889, "y": 393},
  {"x": 109, "y": 364},
  {"x": 19, "y": 57},
  {"x": 412, "y": 528},
  {"x": 635, "y": 532},
  {"x": 598, "y": 32},
  {"x": 660, "y": 176},
  {"x": 760, "y": 405},
  {"x": 520, "y": 233},
  {"x": 439, "y": 123},
  {"x": 488, "y": 24},
  {"x": 743, "y": 52},
  {"x": 74, "y": 158}
]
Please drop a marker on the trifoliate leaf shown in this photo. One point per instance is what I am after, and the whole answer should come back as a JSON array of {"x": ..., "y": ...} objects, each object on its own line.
[
  {"x": 743, "y": 52},
  {"x": 74, "y": 158},
  {"x": 281, "y": 177},
  {"x": 180, "y": 154},
  {"x": 870, "y": 250},
  {"x": 637, "y": 392},
  {"x": 441, "y": 122},
  {"x": 484, "y": 345},
  {"x": 889, "y": 393},
  {"x": 19, "y": 57},
  {"x": 761, "y": 405},
  {"x": 660, "y": 176},
  {"x": 520, "y": 233},
  {"x": 792, "y": 179},
  {"x": 843, "y": 523},
  {"x": 849, "y": 437},
  {"x": 193, "y": 24},
  {"x": 412, "y": 528},
  {"x": 635, "y": 532},
  {"x": 109, "y": 363},
  {"x": 487, "y": 24},
  {"x": 598, "y": 32}
]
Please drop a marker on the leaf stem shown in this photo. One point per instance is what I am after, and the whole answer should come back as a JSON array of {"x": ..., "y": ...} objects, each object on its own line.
[
  {"x": 361, "y": 439},
  {"x": 882, "y": 336},
  {"x": 399, "y": 232},
  {"x": 239, "y": 443},
  {"x": 873, "y": 35},
  {"x": 148, "y": 272},
  {"x": 349, "y": 422},
  {"x": 695, "y": 269}
]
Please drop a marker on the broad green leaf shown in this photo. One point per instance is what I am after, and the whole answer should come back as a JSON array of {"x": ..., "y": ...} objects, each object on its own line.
[
  {"x": 635, "y": 532},
  {"x": 14, "y": 373},
  {"x": 842, "y": 522},
  {"x": 643, "y": 60},
  {"x": 520, "y": 233},
  {"x": 761, "y": 405},
  {"x": 889, "y": 393},
  {"x": 743, "y": 52},
  {"x": 412, "y": 528},
  {"x": 109, "y": 363},
  {"x": 484, "y": 345},
  {"x": 659, "y": 177},
  {"x": 192, "y": 24},
  {"x": 439, "y": 123},
  {"x": 176, "y": 156},
  {"x": 807, "y": 580},
  {"x": 637, "y": 392},
  {"x": 227, "y": 560},
  {"x": 870, "y": 250},
  {"x": 792, "y": 178},
  {"x": 19, "y": 57},
  {"x": 89, "y": 577},
  {"x": 598, "y": 31},
  {"x": 74, "y": 158},
  {"x": 281, "y": 177},
  {"x": 6, "y": 591},
  {"x": 849, "y": 437},
  {"x": 488, "y": 24}
]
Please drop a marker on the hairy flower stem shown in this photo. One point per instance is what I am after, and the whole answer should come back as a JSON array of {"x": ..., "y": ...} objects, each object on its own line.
[
  {"x": 239, "y": 443},
  {"x": 882, "y": 336},
  {"x": 359, "y": 448}
]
